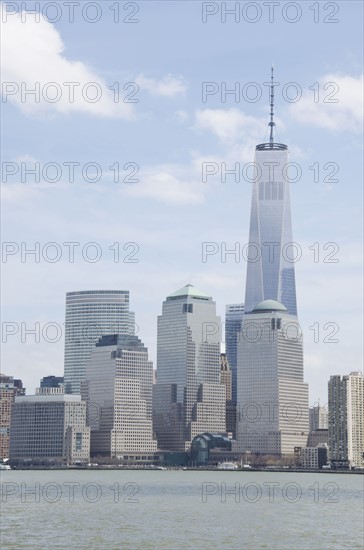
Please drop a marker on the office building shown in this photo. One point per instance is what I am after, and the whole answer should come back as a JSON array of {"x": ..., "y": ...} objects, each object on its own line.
[
  {"x": 89, "y": 315},
  {"x": 226, "y": 379},
  {"x": 118, "y": 390},
  {"x": 318, "y": 416},
  {"x": 188, "y": 360},
  {"x": 49, "y": 429},
  {"x": 272, "y": 416},
  {"x": 311, "y": 458},
  {"x": 271, "y": 254},
  {"x": 234, "y": 315}
]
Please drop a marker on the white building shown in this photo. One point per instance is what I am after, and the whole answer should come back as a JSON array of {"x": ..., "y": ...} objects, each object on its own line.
[
  {"x": 346, "y": 420},
  {"x": 272, "y": 409}
]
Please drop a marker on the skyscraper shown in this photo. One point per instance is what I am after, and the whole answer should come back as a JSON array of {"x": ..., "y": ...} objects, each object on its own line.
[
  {"x": 89, "y": 315},
  {"x": 234, "y": 315},
  {"x": 118, "y": 389},
  {"x": 318, "y": 418},
  {"x": 272, "y": 415},
  {"x": 270, "y": 271},
  {"x": 188, "y": 360},
  {"x": 346, "y": 420},
  {"x": 272, "y": 409}
]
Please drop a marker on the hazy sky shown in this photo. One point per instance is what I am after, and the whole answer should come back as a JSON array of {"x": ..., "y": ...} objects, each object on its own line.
[{"x": 133, "y": 107}]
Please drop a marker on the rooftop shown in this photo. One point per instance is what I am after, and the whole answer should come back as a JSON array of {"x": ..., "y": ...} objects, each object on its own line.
[
  {"x": 269, "y": 305},
  {"x": 188, "y": 290}
]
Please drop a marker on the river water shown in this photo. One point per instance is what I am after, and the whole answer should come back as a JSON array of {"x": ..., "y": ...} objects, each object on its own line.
[{"x": 165, "y": 509}]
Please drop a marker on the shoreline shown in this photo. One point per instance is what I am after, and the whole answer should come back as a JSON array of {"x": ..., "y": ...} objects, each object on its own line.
[{"x": 186, "y": 469}]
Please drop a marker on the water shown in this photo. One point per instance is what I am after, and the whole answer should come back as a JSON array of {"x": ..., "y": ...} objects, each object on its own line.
[{"x": 163, "y": 509}]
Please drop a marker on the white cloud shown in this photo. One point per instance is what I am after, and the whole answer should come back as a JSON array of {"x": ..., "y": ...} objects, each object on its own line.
[
  {"x": 33, "y": 56},
  {"x": 168, "y": 86},
  {"x": 164, "y": 186},
  {"x": 338, "y": 107},
  {"x": 231, "y": 125}
]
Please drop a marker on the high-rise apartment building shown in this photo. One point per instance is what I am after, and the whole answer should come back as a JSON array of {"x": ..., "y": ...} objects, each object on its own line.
[
  {"x": 49, "y": 428},
  {"x": 346, "y": 420},
  {"x": 234, "y": 315},
  {"x": 118, "y": 389},
  {"x": 188, "y": 361},
  {"x": 89, "y": 315},
  {"x": 272, "y": 414}
]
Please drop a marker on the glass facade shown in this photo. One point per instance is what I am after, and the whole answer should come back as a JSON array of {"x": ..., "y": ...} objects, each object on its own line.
[
  {"x": 234, "y": 314},
  {"x": 89, "y": 316},
  {"x": 188, "y": 357},
  {"x": 270, "y": 255}
]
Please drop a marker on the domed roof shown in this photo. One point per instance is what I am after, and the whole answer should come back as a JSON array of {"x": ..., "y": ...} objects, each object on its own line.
[
  {"x": 188, "y": 290},
  {"x": 269, "y": 305}
]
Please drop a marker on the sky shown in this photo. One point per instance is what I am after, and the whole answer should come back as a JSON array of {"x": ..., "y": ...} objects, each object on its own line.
[{"x": 113, "y": 152}]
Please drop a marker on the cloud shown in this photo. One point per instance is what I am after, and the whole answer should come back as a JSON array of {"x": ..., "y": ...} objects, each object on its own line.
[
  {"x": 168, "y": 86},
  {"x": 231, "y": 125},
  {"x": 337, "y": 106},
  {"x": 164, "y": 185},
  {"x": 33, "y": 58}
]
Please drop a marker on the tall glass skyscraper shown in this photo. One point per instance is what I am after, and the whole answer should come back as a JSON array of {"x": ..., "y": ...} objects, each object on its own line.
[
  {"x": 270, "y": 378},
  {"x": 270, "y": 272},
  {"x": 234, "y": 315},
  {"x": 91, "y": 314}
]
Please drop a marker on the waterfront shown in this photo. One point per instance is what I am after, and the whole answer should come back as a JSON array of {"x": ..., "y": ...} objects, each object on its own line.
[{"x": 181, "y": 509}]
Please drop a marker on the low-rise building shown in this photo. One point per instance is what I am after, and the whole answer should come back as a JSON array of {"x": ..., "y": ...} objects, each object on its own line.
[{"x": 49, "y": 429}]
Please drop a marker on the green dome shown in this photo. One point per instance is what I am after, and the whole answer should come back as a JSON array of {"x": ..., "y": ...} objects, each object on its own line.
[{"x": 269, "y": 305}]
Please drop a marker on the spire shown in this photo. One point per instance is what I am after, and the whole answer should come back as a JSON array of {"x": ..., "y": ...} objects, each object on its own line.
[
  {"x": 272, "y": 123},
  {"x": 271, "y": 144}
]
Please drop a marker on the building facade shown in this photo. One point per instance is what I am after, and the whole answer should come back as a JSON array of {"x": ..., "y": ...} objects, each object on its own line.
[
  {"x": 271, "y": 254},
  {"x": 89, "y": 315},
  {"x": 234, "y": 315},
  {"x": 346, "y": 420},
  {"x": 226, "y": 379},
  {"x": 9, "y": 389},
  {"x": 49, "y": 428},
  {"x": 311, "y": 458},
  {"x": 188, "y": 359},
  {"x": 118, "y": 390},
  {"x": 6, "y": 400},
  {"x": 318, "y": 416},
  {"x": 272, "y": 414}
]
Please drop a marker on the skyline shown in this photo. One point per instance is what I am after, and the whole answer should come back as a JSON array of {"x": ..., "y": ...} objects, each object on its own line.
[{"x": 171, "y": 212}]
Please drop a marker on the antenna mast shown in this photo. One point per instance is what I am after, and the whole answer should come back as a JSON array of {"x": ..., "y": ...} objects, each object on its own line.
[{"x": 272, "y": 123}]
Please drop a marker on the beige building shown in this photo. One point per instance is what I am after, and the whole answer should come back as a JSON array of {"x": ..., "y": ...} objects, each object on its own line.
[
  {"x": 346, "y": 420},
  {"x": 118, "y": 390},
  {"x": 272, "y": 415},
  {"x": 49, "y": 428},
  {"x": 6, "y": 399},
  {"x": 9, "y": 388}
]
